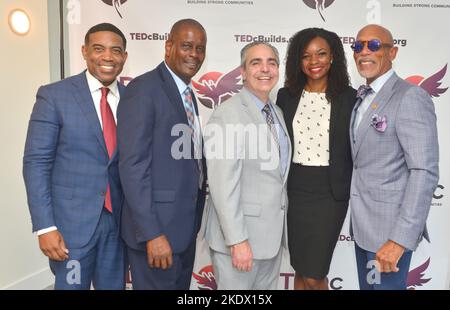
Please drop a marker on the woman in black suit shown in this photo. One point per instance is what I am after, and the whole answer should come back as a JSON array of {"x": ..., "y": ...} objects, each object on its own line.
[{"x": 317, "y": 102}]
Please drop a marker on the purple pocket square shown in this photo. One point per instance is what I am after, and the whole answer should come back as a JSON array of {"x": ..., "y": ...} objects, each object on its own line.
[{"x": 379, "y": 123}]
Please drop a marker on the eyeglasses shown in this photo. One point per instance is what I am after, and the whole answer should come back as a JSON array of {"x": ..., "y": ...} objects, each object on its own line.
[{"x": 373, "y": 45}]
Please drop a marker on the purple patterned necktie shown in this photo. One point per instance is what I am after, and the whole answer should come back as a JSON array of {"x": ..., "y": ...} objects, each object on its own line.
[{"x": 361, "y": 93}]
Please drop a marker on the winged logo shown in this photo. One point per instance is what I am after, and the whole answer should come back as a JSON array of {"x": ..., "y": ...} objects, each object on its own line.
[
  {"x": 205, "y": 278},
  {"x": 431, "y": 84},
  {"x": 416, "y": 276},
  {"x": 214, "y": 88},
  {"x": 319, "y": 5},
  {"x": 116, "y": 4}
]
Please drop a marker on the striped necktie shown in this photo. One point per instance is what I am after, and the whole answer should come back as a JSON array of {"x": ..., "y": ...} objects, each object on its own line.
[
  {"x": 195, "y": 131},
  {"x": 271, "y": 124}
]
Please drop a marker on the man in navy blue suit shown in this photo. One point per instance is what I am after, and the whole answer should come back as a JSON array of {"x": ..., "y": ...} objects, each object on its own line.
[
  {"x": 162, "y": 171},
  {"x": 70, "y": 167}
]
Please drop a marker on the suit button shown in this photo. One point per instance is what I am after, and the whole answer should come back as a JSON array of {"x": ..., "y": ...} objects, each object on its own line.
[
  {"x": 356, "y": 167},
  {"x": 102, "y": 193}
]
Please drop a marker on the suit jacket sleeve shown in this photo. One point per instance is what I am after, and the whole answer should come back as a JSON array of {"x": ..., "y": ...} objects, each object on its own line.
[
  {"x": 281, "y": 98},
  {"x": 417, "y": 133},
  {"x": 135, "y": 118},
  {"x": 38, "y": 159},
  {"x": 224, "y": 180}
]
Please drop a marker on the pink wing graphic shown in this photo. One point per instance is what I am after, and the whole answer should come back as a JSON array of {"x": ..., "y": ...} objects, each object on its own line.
[
  {"x": 415, "y": 276},
  {"x": 431, "y": 84},
  {"x": 204, "y": 282},
  {"x": 212, "y": 94},
  {"x": 203, "y": 91}
]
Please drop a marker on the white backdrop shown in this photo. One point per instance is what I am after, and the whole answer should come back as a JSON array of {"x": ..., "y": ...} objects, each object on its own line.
[{"x": 424, "y": 51}]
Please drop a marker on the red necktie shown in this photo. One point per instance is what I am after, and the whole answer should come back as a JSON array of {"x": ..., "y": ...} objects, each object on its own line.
[{"x": 109, "y": 134}]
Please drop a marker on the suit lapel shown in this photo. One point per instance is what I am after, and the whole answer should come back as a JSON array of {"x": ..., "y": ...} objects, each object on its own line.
[
  {"x": 259, "y": 120},
  {"x": 171, "y": 90},
  {"x": 291, "y": 109},
  {"x": 83, "y": 97},
  {"x": 335, "y": 109},
  {"x": 251, "y": 107},
  {"x": 376, "y": 107},
  {"x": 284, "y": 126},
  {"x": 121, "y": 90}
]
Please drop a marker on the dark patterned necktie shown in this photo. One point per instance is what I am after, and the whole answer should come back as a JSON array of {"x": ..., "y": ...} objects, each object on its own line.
[
  {"x": 190, "y": 113},
  {"x": 271, "y": 124}
]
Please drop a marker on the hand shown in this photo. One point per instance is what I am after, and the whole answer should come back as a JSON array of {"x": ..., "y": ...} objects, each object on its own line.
[
  {"x": 388, "y": 256},
  {"x": 159, "y": 253},
  {"x": 242, "y": 256},
  {"x": 53, "y": 246}
]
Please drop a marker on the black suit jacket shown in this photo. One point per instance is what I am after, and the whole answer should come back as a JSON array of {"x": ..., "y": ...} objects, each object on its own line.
[{"x": 341, "y": 164}]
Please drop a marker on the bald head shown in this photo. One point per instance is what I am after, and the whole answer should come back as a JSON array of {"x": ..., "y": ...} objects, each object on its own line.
[{"x": 378, "y": 31}]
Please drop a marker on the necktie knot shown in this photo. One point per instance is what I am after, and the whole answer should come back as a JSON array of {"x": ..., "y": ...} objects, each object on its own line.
[
  {"x": 105, "y": 91},
  {"x": 187, "y": 95},
  {"x": 266, "y": 110},
  {"x": 363, "y": 91}
]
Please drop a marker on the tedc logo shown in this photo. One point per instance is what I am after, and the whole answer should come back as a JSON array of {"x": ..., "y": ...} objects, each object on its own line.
[
  {"x": 319, "y": 5},
  {"x": 432, "y": 83},
  {"x": 214, "y": 88},
  {"x": 116, "y": 4},
  {"x": 416, "y": 276},
  {"x": 438, "y": 195},
  {"x": 205, "y": 278}
]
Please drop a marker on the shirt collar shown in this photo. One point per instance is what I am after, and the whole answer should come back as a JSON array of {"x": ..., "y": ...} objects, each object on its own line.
[
  {"x": 95, "y": 85},
  {"x": 379, "y": 82},
  {"x": 179, "y": 82},
  {"x": 259, "y": 103}
]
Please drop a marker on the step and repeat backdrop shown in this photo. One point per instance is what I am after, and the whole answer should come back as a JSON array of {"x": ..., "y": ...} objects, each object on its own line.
[{"x": 418, "y": 27}]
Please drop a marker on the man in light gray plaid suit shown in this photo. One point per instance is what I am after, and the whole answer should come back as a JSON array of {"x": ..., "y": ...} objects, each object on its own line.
[{"x": 395, "y": 154}]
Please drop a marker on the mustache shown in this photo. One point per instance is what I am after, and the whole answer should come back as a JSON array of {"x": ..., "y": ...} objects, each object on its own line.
[{"x": 366, "y": 59}]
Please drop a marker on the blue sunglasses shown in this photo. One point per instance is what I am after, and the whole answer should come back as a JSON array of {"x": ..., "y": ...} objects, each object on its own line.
[{"x": 373, "y": 45}]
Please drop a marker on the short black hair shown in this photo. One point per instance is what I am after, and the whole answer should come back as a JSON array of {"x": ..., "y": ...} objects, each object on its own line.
[
  {"x": 179, "y": 25},
  {"x": 106, "y": 27}
]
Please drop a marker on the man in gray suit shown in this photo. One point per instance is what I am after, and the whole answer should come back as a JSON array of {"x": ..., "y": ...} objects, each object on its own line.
[
  {"x": 395, "y": 164},
  {"x": 247, "y": 153}
]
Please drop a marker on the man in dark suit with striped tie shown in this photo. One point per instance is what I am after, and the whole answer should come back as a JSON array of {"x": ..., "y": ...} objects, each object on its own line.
[{"x": 163, "y": 182}]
